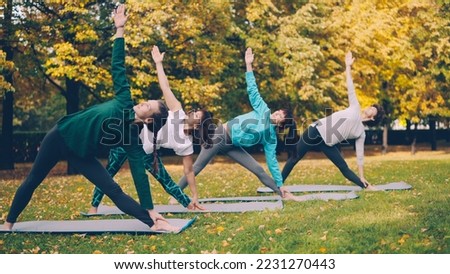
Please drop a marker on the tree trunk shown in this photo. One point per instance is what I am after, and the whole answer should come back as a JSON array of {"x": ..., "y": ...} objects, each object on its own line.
[
  {"x": 6, "y": 144},
  {"x": 432, "y": 123},
  {"x": 72, "y": 106},
  {"x": 414, "y": 138},
  {"x": 384, "y": 147},
  {"x": 448, "y": 131},
  {"x": 6, "y": 140},
  {"x": 408, "y": 132}
]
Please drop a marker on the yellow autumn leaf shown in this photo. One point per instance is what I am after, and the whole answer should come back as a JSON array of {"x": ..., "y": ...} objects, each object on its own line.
[
  {"x": 225, "y": 243},
  {"x": 97, "y": 252},
  {"x": 322, "y": 250},
  {"x": 36, "y": 250},
  {"x": 263, "y": 250},
  {"x": 278, "y": 231},
  {"x": 403, "y": 239}
]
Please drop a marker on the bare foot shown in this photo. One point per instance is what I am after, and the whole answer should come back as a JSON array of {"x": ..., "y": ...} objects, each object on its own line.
[
  {"x": 173, "y": 201},
  {"x": 8, "y": 226},
  {"x": 371, "y": 188},
  {"x": 289, "y": 196},
  {"x": 161, "y": 225},
  {"x": 92, "y": 210}
]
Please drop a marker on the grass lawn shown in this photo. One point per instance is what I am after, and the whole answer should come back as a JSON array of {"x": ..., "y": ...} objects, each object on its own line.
[{"x": 412, "y": 222}]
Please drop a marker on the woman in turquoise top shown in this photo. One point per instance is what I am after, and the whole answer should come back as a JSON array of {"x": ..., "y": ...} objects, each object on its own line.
[
  {"x": 77, "y": 137},
  {"x": 256, "y": 127}
]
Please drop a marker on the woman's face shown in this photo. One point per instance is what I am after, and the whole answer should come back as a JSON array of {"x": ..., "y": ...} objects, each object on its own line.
[
  {"x": 194, "y": 118},
  {"x": 278, "y": 117},
  {"x": 146, "y": 109},
  {"x": 370, "y": 112}
]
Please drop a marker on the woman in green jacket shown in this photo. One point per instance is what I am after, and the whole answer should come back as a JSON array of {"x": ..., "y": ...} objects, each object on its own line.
[{"x": 77, "y": 137}]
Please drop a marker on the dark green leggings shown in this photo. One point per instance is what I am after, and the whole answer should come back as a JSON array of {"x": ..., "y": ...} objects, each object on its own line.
[{"x": 118, "y": 156}]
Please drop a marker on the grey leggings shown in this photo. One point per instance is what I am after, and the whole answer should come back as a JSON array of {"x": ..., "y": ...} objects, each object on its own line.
[{"x": 222, "y": 143}]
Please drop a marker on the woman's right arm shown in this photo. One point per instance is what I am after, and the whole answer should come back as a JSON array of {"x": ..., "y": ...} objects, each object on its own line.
[
  {"x": 171, "y": 101},
  {"x": 256, "y": 100},
  {"x": 353, "y": 101},
  {"x": 120, "y": 81}
]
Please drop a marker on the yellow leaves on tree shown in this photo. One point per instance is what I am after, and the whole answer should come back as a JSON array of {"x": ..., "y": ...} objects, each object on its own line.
[
  {"x": 6, "y": 67},
  {"x": 68, "y": 63}
]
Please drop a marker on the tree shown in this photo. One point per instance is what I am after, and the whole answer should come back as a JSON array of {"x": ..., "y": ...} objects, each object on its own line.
[
  {"x": 69, "y": 46},
  {"x": 7, "y": 89}
]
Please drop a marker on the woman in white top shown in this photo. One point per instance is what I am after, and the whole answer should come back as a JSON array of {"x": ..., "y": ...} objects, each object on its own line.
[
  {"x": 343, "y": 125},
  {"x": 178, "y": 132}
]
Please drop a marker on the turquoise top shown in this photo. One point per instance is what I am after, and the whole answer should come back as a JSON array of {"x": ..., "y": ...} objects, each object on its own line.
[
  {"x": 255, "y": 128},
  {"x": 110, "y": 124}
]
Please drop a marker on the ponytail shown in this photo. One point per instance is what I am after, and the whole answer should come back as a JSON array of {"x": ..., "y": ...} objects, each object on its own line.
[
  {"x": 159, "y": 120},
  {"x": 155, "y": 153},
  {"x": 206, "y": 129},
  {"x": 292, "y": 137}
]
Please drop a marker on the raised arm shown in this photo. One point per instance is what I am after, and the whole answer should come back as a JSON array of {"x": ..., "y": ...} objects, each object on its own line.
[
  {"x": 121, "y": 85},
  {"x": 172, "y": 102},
  {"x": 256, "y": 100},
  {"x": 353, "y": 101}
]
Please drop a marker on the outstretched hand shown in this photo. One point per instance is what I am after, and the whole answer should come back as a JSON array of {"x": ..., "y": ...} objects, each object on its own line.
[
  {"x": 119, "y": 16},
  {"x": 249, "y": 57},
  {"x": 157, "y": 55},
  {"x": 194, "y": 205},
  {"x": 349, "y": 59}
]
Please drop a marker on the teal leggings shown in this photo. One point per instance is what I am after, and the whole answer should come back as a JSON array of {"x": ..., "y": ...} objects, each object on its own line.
[{"x": 118, "y": 156}]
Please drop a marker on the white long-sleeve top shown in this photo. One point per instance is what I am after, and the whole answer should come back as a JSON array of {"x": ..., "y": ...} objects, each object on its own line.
[{"x": 345, "y": 125}]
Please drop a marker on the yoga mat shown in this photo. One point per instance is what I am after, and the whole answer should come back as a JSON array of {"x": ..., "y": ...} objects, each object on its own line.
[
  {"x": 301, "y": 198},
  {"x": 251, "y": 205},
  {"x": 93, "y": 226},
  {"x": 326, "y": 196},
  {"x": 312, "y": 188}
]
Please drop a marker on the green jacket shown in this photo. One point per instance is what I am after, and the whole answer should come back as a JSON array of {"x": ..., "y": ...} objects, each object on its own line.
[{"x": 110, "y": 124}]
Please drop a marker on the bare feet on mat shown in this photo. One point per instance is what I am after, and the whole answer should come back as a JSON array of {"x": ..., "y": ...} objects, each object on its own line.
[
  {"x": 8, "y": 226},
  {"x": 163, "y": 225},
  {"x": 92, "y": 210},
  {"x": 371, "y": 188},
  {"x": 286, "y": 195},
  {"x": 289, "y": 197}
]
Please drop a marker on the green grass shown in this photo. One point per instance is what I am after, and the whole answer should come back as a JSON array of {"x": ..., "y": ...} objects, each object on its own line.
[{"x": 413, "y": 222}]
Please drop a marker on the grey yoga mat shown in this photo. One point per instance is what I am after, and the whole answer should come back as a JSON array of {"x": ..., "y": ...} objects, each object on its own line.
[
  {"x": 313, "y": 188},
  {"x": 233, "y": 204},
  {"x": 251, "y": 205},
  {"x": 93, "y": 226},
  {"x": 301, "y": 198}
]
